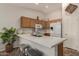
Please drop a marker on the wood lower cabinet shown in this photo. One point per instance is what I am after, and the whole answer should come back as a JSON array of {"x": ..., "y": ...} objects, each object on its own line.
[{"x": 60, "y": 49}]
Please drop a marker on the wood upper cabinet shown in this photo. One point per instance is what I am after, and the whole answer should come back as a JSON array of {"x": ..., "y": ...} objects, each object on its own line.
[
  {"x": 44, "y": 24},
  {"x": 27, "y": 22},
  {"x": 32, "y": 23}
]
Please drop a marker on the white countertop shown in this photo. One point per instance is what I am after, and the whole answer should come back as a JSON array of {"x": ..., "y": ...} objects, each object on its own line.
[{"x": 46, "y": 41}]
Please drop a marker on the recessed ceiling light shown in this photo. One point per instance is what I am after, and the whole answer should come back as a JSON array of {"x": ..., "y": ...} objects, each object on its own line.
[{"x": 46, "y": 6}]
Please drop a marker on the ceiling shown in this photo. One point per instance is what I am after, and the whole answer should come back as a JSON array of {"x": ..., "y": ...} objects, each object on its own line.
[{"x": 41, "y": 7}]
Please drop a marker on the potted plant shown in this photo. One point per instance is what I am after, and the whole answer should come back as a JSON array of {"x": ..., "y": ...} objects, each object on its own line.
[{"x": 8, "y": 36}]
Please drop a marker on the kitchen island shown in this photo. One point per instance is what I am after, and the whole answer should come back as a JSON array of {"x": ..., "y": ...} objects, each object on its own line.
[{"x": 47, "y": 44}]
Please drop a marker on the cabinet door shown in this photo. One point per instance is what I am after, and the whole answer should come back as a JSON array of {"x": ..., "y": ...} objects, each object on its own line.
[
  {"x": 25, "y": 22},
  {"x": 47, "y": 24},
  {"x": 44, "y": 24},
  {"x": 41, "y": 22},
  {"x": 32, "y": 23}
]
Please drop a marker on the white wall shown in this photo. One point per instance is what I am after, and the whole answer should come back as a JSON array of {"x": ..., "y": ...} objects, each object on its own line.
[
  {"x": 71, "y": 28},
  {"x": 10, "y": 15},
  {"x": 57, "y": 14}
]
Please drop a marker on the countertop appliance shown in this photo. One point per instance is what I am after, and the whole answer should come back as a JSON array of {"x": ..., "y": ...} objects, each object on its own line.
[{"x": 37, "y": 30}]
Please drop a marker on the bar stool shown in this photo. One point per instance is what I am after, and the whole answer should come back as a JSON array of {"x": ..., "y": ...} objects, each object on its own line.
[{"x": 23, "y": 48}]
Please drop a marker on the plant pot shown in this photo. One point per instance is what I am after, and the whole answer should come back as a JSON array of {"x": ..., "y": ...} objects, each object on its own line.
[{"x": 9, "y": 47}]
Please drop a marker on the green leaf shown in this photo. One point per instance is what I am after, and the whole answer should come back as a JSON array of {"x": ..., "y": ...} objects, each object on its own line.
[{"x": 8, "y": 35}]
